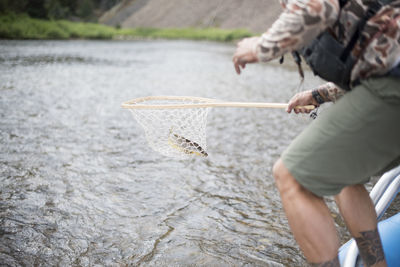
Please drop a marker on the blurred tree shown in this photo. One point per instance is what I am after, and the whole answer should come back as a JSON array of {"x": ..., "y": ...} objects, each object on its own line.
[
  {"x": 36, "y": 8},
  {"x": 106, "y": 4},
  {"x": 57, "y": 9},
  {"x": 12, "y": 5},
  {"x": 85, "y": 9}
]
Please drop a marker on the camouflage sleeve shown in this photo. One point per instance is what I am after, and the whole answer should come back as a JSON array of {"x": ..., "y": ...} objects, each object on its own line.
[
  {"x": 330, "y": 92},
  {"x": 299, "y": 23}
]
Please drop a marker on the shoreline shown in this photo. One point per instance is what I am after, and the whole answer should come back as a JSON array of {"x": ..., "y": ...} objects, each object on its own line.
[{"x": 23, "y": 27}]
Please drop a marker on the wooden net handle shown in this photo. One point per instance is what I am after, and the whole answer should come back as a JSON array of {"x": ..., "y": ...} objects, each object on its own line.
[{"x": 204, "y": 103}]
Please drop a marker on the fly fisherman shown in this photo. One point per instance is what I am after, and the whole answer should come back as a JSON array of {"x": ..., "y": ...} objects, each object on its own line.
[{"x": 354, "y": 45}]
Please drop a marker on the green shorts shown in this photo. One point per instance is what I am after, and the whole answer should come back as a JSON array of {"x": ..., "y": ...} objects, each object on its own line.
[{"x": 354, "y": 139}]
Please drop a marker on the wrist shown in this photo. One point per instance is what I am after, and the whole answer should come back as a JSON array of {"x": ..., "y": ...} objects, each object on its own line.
[
  {"x": 317, "y": 97},
  {"x": 256, "y": 48}
]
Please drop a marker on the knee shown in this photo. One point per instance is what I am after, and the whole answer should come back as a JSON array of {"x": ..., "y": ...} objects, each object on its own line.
[
  {"x": 350, "y": 193},
  {"x": 277, "y": 170},
  {"x": 283, "y": 178}
]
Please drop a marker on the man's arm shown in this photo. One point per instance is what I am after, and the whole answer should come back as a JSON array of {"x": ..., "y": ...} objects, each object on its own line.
[
  {"x": 330, "y": 92},
  {"x": 300, "y": 22},
  {"x": 327, "y": 92}
]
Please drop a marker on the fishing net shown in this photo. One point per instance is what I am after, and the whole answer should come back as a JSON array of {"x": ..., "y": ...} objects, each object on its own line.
[
  {"x": 172, "y": 129},
  {"x": 176, "y": 126}
]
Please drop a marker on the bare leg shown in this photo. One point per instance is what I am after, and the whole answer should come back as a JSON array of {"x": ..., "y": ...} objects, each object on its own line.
[
  {"x": 359, "y": 214},
  {"x": 309, "y": 219}
]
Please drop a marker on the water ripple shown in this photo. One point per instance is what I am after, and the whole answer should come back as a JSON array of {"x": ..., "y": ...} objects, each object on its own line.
[{"x": 80, "y": 187}]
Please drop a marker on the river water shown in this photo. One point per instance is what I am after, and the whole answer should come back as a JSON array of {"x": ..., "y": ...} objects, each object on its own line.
[{"x": 80, "y": 186}]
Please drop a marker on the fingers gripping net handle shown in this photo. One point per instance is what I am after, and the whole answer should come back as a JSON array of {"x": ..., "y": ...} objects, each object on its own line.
[{"x": 173, "y": 132}]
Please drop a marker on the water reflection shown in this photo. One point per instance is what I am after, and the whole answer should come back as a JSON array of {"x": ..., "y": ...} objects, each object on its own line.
[{"x": 79, "y": 185}]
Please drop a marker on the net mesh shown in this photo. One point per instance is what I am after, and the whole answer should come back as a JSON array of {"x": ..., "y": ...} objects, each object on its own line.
[{"x": 177, "y": 132}]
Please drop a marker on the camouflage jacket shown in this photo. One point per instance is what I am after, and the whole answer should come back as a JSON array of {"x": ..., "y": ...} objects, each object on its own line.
[{"x": 303, "y": 20}]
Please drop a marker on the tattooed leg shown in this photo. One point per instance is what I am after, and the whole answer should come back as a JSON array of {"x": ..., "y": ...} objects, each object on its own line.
[
  {"x": 332, "y": 263},
  {"x": 370, "y": 247},
  {"x": 359, "y": 214}
]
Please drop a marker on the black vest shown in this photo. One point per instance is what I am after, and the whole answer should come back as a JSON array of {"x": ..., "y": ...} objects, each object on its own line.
[{"x": 333, "y": 61}]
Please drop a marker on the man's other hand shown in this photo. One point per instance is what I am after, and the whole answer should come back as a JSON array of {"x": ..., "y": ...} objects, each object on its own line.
[{"x": 245, "y": 53}]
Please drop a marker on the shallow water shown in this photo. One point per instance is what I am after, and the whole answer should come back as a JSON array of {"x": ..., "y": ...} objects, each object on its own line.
[{"x": 80, "y": 186}]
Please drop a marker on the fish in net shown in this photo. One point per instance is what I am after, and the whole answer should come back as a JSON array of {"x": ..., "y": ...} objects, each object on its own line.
[{"x": 173, "y": 132}]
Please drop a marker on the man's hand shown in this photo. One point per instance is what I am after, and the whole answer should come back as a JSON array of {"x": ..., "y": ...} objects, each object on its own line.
[
  {"x": 245, "y": 53},
  {"x": 301, "y": 99}
]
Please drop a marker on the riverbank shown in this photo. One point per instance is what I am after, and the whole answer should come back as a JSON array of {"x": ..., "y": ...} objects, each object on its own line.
[{"x": 13, "y": 26}]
